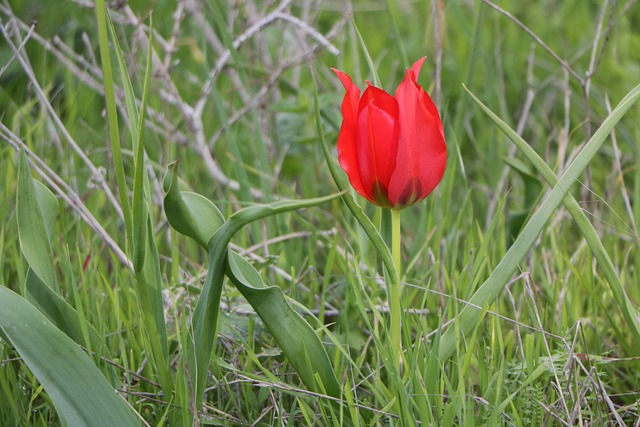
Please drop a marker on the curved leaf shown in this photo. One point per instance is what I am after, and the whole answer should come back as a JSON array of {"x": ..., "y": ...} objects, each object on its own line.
[
  {"x": 294, "y": 335},
  {"x": 48, "y": 203},
  {"x": 37, "y": 209},
  {"x": 190, "y": 214},
  {"x": 198, "y": 218},
  {"x": 60, "y": 313},
  {"x": 32, "y": 230},
  {"x": 205, "y": 316},
  {"x": 80, "y": 392}
]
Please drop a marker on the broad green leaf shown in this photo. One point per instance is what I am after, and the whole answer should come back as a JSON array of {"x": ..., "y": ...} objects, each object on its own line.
[
  {"x": 80, "y": 392},
  {"x": 470, "y": 315},
  {"x": 60, "y": 313},
  {"x": 48, "y": 206},
  {"x": 39, "y": 207},
  {"x": 629, "y": 311},
  {"x": 189, "y": 213},
  {"x": 294, "y": 335},
  {"x": 32, "y": 231},
  {"x": 205, "y": 317}
]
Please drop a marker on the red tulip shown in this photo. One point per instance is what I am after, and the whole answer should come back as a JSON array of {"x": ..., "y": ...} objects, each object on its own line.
[{"x": 391, "y": 147}]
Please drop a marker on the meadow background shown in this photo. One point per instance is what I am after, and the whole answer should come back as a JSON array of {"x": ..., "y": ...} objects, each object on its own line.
[{"x": 231, "y": 97}]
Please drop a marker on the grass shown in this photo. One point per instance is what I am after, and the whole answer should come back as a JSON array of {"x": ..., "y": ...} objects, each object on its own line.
[{"x": 231, "y": 97}]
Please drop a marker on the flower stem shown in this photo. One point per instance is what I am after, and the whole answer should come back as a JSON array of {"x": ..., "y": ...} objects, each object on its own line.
[{"x": 395, "y": 289}]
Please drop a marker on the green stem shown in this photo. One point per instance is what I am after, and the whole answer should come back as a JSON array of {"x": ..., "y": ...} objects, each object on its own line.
[{"x": 395, "y": 289}]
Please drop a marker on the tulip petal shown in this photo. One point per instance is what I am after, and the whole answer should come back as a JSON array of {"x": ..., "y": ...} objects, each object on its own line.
[
  {"x": 377, "y": 143},
  {"x": 347, "y": 153},
  {"x": 376, "y": 146},
  {"x": 422, "y": 153}
]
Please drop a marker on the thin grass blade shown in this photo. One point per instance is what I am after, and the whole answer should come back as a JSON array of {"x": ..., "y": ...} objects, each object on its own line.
[
  {"x": 470, "y": 315},
  {"x": 629, "y": 311},
  {"x": 112, "y": 114}
]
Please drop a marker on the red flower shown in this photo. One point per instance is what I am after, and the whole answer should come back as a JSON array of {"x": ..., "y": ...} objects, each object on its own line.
[{"x": 391, "y": 147}]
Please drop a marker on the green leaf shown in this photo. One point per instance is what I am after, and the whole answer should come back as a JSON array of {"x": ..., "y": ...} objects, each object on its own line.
[
  {"x": 370, "y": 63},
  {"x": 48, "y": 206},
  {"x": 112, "y": 114},
  {"x": 196, "y": 217},
  {"x": 149, "y": 290},
  {"x": 80, "y": 392},
  {"x": 32, "y": 231},
  {"x": 140, "y": 180},
  {"x": 60, "y": 313},
  {"x": 532, "y": 192},
  {"x": 205, "y": 316},
  {"x": 37, "y": 209},
  {"x": 129, "y": 96},
  {"x": 470, "y": 315},
  {"x": 146, "y": 261},
  {"x": 294, "y": 335},
  {"x": 190, "y": 214}
]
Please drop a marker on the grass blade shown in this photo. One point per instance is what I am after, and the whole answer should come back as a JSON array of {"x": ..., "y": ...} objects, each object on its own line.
[
  {"x": 629, "y": 311},
  {"x": 112, "y": 114},
  {"x": 372, "y": 66},
  {"x": 470, "y": 316}
]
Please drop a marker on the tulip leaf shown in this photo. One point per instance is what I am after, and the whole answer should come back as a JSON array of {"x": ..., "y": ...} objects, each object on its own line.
[
  {"x": 149, "y": 290},
  {"x": 470, "y": 315},
  {"x": 48, "y": 206},
  {"x": 32, "y": 229},
  {"x": 198, "y": 218},
  {"x": 297, "y": 339},
  {"x": 205, "y": 316},
  {"x": 140, "y": 179},
  {"x": 39, "y": 207},
  {"x": 629, "y": 311},
  {"x": 61, "y": 314},
  {"x": 80, "y": 392},
  {"x": 146, "y": 261},
  {"x": 190, "y": 214}
]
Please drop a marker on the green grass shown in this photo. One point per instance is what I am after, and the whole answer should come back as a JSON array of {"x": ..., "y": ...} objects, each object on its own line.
[{"x": 556, "y": 347}]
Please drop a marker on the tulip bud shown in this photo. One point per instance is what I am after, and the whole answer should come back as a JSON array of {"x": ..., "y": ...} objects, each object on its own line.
[{"x": 391, "y": 147}]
